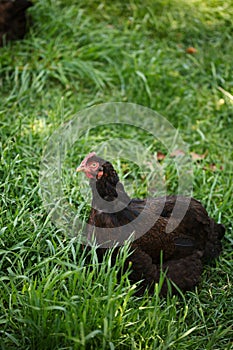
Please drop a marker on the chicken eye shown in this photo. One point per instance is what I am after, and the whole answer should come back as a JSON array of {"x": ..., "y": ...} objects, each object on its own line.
[{"x": 93, "y": 165}]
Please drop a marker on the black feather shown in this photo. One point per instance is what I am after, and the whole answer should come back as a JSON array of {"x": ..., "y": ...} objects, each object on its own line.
[{"x": 194, "y": 239}]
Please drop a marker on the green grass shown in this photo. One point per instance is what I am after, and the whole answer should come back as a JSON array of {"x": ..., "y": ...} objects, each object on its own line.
[{"x": 77, "y": 55}]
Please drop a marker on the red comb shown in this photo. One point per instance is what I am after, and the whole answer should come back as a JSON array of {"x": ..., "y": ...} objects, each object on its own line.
[{"x": 90, "y": 155}]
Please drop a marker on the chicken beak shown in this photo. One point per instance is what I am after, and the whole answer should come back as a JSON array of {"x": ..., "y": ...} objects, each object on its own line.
[{"x": 80, "y": 168}]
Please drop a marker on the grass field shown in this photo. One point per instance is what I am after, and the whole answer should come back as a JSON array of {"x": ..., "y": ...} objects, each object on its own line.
[{"x": 78, "y": 54}]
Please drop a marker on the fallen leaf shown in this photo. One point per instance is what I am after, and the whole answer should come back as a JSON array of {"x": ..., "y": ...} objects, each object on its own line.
[
  {"x": 213, "y": 167},
  {"x": 196, "y": 156},
  {"x": 210, "y": 167},
  {"x": 191, "y": 50},
  {"x": 160, "y": 155},
  {"x": 177, "y": 153}
]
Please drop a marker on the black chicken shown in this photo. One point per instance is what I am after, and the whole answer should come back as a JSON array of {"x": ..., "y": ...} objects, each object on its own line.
[
  {"x": 192, "y": 240},
  {"x": 13, "y": 19}
]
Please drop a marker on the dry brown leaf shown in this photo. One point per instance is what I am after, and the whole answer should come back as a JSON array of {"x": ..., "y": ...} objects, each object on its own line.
[
  {"x": 160, "y": 155},
  {"x": 177, "y": 153},
  {"x": 213, "y": 167},
  {"x": 191, "y": 50},
  {"x": 196, "y": 156}
]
